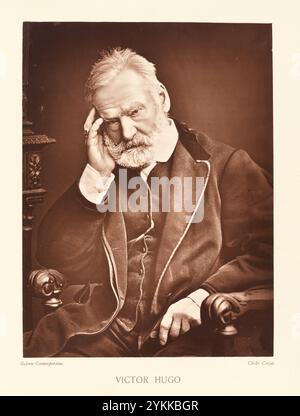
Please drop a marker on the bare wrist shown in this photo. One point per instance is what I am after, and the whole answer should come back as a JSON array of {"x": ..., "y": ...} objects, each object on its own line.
[{"x": 104, "y": 172}]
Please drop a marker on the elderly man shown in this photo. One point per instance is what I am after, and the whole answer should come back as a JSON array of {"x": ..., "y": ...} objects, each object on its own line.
[{"x": 145, "y": 271}]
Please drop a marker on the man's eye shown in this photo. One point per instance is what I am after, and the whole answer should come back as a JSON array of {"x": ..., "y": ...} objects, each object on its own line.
[
  {"x": 113, "y": 124},
  {"x": 135, "y": 112}
]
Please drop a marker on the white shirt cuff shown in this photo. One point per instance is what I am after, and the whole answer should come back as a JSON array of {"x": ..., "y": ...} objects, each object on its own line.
[{"x": 93, "y": 186}]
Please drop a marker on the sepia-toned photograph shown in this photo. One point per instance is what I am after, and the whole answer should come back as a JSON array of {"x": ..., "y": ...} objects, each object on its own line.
[{"x": 147, "y": 189}]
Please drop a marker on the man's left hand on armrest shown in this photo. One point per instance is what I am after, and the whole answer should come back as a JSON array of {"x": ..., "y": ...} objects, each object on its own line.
[{"x": 181, "y": 316}]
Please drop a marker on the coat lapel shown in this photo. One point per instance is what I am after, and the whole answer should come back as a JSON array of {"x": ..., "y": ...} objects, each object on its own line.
[
  {"x": 177, "y": 223},
  {"x": 115, "y": 240}
]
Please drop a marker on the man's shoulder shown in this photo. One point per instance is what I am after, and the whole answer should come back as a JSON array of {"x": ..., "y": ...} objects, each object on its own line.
[{"x": 201, "y": 146}]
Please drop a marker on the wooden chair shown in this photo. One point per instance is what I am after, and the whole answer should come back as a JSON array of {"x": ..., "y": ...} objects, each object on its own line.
[{"x": 241, "y": 322}]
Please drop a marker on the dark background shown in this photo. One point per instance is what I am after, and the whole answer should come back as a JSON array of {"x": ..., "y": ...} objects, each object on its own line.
[{"x": 219, "y": 77}]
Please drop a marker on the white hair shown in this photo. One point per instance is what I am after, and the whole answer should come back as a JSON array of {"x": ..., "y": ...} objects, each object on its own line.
[{"x": 112, "y": 62}]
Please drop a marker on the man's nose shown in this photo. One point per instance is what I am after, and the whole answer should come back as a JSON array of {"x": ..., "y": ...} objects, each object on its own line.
[{"x": 128, "y": 128}]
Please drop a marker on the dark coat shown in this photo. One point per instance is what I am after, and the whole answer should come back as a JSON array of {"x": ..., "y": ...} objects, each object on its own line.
[{"x": 229, "y": 250}]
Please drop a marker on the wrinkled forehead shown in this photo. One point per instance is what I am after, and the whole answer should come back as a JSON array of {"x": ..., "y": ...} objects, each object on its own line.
[{"x": 123, "y": 91}]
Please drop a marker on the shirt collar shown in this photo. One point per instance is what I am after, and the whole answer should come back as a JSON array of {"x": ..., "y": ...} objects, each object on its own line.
[{"x": 164, "y": 150}]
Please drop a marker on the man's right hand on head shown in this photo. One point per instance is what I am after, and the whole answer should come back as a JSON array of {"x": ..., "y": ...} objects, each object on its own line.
[{"x": 98, "y": 155}]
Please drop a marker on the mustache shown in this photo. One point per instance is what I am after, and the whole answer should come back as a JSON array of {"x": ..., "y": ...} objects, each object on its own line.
[{"x": 138, "y": 140}]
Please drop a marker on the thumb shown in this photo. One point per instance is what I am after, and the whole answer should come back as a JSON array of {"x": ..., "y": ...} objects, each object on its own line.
[{"x": 154, "y": 333}]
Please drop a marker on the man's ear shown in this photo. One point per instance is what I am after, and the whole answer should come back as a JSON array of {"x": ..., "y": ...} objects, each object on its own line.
[{"x": 165, "y": 98}]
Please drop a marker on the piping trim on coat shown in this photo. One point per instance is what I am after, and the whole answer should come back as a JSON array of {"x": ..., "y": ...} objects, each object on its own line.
[{"x": 187, "y": 226}]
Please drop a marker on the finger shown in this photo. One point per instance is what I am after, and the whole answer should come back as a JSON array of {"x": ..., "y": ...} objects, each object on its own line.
[
  {"x": 185, "y": 327},
  {"x": 89, "y": 120},
  {"x": 195, "y": 319},
  {"x": 175, "y": 328},
  {"x": 93, "y": 137},
  {"x": 165, "y": 327},
  {"x": 95, "y": 126},
  {"x": 153, "y": 334}
]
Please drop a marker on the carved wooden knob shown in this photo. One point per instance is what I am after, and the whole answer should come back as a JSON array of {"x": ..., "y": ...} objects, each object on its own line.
[
  {"x": 220, "y": 310},
  {"x": 48, "y": 285}
]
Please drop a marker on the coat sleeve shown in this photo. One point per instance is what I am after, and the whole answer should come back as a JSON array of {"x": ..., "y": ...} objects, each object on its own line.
[
  {"x": 69, "y": 238},
  {"x": 247, "y": 226}
]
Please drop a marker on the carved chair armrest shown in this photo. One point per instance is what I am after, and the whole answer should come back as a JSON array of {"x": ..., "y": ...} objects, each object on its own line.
[
  {"x": 47, "y": 284},
  {"x": 220, "y": 310}
]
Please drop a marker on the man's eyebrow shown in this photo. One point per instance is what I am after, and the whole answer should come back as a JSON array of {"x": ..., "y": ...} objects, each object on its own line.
[
  {"x": 133, "y": 106},
  {"x": 129, "y": 109},
  {"x": 110, "y": 118}
]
